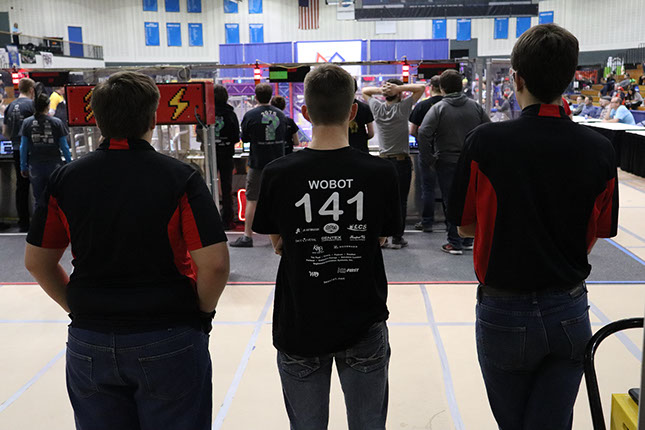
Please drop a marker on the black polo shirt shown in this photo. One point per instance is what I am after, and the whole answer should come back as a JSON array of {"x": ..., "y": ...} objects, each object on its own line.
[
  {"x": 540, "y": 189},
  {"x": 132, "y": 216}
]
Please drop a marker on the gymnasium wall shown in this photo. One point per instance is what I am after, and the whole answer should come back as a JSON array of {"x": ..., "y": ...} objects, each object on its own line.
[{"x": 118, "y": 25}]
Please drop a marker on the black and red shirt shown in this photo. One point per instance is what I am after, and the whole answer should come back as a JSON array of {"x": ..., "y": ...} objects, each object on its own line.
[
  {"x": 132, "y": 215},
  {"x": 540, "y": 189}
]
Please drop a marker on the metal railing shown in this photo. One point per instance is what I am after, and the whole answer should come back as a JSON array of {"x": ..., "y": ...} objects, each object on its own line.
[{"x": 29, "y": 45}]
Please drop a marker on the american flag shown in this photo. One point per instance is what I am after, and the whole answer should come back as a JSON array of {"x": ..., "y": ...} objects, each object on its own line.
[{"x": 308, "y": 13}]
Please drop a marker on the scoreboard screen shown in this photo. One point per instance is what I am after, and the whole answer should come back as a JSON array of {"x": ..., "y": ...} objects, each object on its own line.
[
  {"x": 288, "y": 74},
  {"x": 423, "y": 9}
]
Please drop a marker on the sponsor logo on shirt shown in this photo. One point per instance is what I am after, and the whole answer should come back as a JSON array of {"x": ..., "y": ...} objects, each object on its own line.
[
  {"x": 306, "y": 239},
  {"x": 313, "y": 274},
  {"x": 348, "y": 270},
  {"x": 358, "y": 238},
  {"x": 318, "y": 249},
  {"x": 357, "y": 227},
  {"x": 345, "y": 246},
  {"x": 332, "y": 238},
  {"x": 307, "y": 230},
  {"x": 331, "y": 228}
]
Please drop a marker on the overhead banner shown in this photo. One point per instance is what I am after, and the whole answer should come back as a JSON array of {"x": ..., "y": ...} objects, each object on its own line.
[
  {"x": 501, "y": 28},
  {"x": 332, "y": 52},
  {"x": 439, "y": 29},
  {"x": 522, "y": 24},
  {"x": 424, "y": 9},
  {"x": 178, "y": 104}
]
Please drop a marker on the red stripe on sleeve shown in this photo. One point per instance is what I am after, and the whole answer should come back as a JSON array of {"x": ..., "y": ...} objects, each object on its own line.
[
  {"x": 486, "y": 208},
  {"x": 602, "y": 220},
  {"x": 189, "y": 225},
  {"x": 56, "y": 231},
  {"x": 182, "y": 259},
  {"x": 119, "y": 144}
]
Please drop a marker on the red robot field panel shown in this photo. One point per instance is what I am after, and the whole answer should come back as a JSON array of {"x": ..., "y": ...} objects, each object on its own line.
[{"x": 178, "y": 104}]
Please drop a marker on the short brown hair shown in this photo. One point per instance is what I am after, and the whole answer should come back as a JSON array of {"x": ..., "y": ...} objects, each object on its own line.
[
  {"x": 125, "y": 105},
  {"x": 263, "y": 93},
  {"x": 25, "y": 85},
  {"x": 279, "y": 102},
  {"x": 451, "y": 81},
  {"x": 221, "y": 94},
  {"x": 546, "y": 56},
  {"x": 435, "y": 82},
  {"x": 329, "y": 94}
]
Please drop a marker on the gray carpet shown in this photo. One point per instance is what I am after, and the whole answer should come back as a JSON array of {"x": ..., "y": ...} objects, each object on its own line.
[{"x": 422, "y": 261}]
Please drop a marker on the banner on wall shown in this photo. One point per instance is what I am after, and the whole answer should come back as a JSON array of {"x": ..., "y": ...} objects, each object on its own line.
[
  {"x": 150, "y": 5},
  {"x": 439, "y": 29},
  {"x": 194, "y": 6},
  {"x": 546, "y": 17},
  {"x": 256, "y": 33},
  {"x": 523, "y": 23},
  {"x": 172, "y": 5},
  {"x": 255, "y": 6},
  {"x": 232, "y": 33},
  {"x": 173, "y": 29},
  {"x": 501, "y": 28},
  {"x": 195, "y": 34},
  {"x": 463, "y": 29},
  {"x": 152, "y": 33},
  {"x": 230, "y": 6},
  {"x": 332, "y": 52}
]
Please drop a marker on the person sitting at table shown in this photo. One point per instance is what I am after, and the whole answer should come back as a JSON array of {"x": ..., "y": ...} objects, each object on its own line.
[
  {"x": 604, "y": 106},
  {"x": 619, "y": 113},
  {"x": 579, "y": 105},
  {"x": 589, "y": 110},
  {"x": 634, "y": 97}
]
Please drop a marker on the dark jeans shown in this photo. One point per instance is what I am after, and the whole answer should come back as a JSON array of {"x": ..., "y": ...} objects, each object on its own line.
[
  {"x": 225, "y": 168},
  {"x": 143, "y": 381},
  {"x": 363, "y": 370},
  {"x": 22, "y": 193},
  {"x": 39, "y": 174},
  {"x": 428, "y": 181},
  {"x": 404, "y": 172},
  {"x": 445, "y": 175},
  {"x": 531, "y": 352}
]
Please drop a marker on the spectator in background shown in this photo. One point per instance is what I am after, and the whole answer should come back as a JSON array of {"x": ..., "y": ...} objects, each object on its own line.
[
  {"x": 265, "y": 128},
  {"x": 428, "y": 172},
  {"x": 15, "y": 34},
  {"x": 227, "y": 135},
  {"x": 608, "y": 88},
  {"x": 361, "y": 128},
  {"x": 15, "y": 114},
  {"x": 634, "y": 97},
  {"x": 43, "y": 139},
  {"x": 579, "y": 105},
  {"x": 589, "y": 110},
  {"x": 391, "y": 118},
  {"x": 625, "y": 82},
  {"x": 619, "y": 92},
  {"x": 605, "y": 109},
  {"x": 619, "y": 113},
  {"x": 443, "y": 133},
  {"x": 292, "y": 128}
]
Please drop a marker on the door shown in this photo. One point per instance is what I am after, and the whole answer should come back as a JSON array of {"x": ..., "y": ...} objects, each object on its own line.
[{"x": 75, "y": 34}]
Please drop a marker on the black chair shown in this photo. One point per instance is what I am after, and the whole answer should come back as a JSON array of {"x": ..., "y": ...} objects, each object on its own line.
[{"x": 595, "y": 403}]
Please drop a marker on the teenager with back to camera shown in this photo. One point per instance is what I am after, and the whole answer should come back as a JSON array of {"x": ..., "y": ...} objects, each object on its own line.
[
  {"x": 535, "y": 192},
  {"x": 328, "y": 208}
]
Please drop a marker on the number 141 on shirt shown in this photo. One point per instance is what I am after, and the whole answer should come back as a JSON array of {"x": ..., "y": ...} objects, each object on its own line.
[{"x": 334, "y": 202}]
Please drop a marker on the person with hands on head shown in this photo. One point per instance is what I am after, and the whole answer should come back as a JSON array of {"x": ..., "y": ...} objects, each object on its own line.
[
  {"x": 150, "y": 263},
  {"x": 391, "y": 118},
  {"x": 43, "y": 139},
  {"x": 619, "y": 113}
]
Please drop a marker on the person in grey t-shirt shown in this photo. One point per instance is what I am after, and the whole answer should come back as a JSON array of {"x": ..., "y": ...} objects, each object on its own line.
[{"x": 391, "y": 118}]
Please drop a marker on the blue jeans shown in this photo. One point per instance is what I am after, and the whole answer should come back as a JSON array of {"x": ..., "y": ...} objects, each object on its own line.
[
  {"x": 39, "y": 174},
  {"x": 428, "y": 181},
  {"x": 531, "y": 351},
  {"x": 445, "y": 175},
  {"x": 404, "y": 173},
  {"x": 363, "y": 370},
  {"x": 143, "y": 381}
]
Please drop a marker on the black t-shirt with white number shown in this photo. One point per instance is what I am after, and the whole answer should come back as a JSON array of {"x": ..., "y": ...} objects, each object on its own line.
[
  {"x": 331, "y": 285},
  {"x": 265, "y": 128}
]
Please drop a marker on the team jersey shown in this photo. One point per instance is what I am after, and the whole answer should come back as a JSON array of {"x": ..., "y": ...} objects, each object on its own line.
[
  {"x": 132, "y": 216},
  {"x": 42, "y": 134},
  {"x": 17, "y": 111},
  {"x": 540, "y": 189},
  {"x": 331, "y": 284},
  {"x": 265, "y": 127},
  {"x": 357, "y": 127}
]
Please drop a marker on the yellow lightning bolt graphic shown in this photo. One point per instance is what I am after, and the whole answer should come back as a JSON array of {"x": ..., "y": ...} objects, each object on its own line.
[
  {"x": 177, "y": 102},
  {"x": 88, "y": 105}
]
